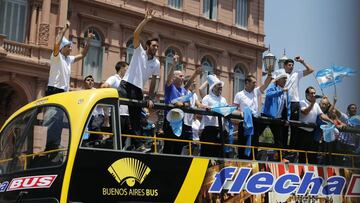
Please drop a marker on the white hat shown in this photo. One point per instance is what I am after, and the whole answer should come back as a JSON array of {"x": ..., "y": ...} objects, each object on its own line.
[
  {"x": 64, "y": 42},
  {"x": 213, "y": 80},
  {"x": 280, "y": 74},
  {"x": 175, "y": 115}
]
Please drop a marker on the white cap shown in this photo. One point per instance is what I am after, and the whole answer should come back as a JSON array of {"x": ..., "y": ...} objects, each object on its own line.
[
  {"x": 280, "y": 74},
  {"x": 64, "y": 42},
  {"x": 213, "y": 80}
]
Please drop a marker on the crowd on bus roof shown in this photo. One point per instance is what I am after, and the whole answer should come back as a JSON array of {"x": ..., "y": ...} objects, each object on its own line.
[{"x": 281, "y": 101}]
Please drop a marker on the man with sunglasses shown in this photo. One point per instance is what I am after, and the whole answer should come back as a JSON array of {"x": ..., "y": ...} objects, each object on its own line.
[{"x": 292, "y": 85}]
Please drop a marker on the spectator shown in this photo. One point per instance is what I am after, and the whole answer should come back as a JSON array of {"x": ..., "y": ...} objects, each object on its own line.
[
  {"x": 190, "y": 86},
  {"x": 174, "y": 89},
  {"x": 277, "y": 105},
  {"x": 196, "y": 132},
  {"x": 293, "y": 86},
  {"x": 147, "y": 129},
  {"x": 210, "y": 124},
  {"x": 310, "y": 110},
  {"x": 349, "y": 142},
  {"x": 249, "y": 97},
  {"x": 60, "y": 63},
  {"x": 97, "y": 119},
  {"x": 114, "y": 82},
  {"x": 143, "y": 65}
]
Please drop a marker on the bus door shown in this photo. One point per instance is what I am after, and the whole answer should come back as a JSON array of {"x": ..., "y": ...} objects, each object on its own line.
[{"x": 33, "y": 151}]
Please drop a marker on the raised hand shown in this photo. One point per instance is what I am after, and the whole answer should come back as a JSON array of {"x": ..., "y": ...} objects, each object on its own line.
[
  {"x": 198, "y": 70},
  {"x": 67, "y": 25},
  {"x": 175, "y": 59},
  {"x": 90, "y": 35},
  {"x": 299, "y": 59}
]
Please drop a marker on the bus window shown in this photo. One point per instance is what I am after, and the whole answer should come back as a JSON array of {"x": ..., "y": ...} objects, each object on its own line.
[
  {"x": 35, "y": 139},
  {"x": 99, "y": 131}
]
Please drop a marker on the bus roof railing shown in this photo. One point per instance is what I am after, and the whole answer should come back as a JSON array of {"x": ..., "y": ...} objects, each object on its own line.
[{"x": 265, "y": 120}]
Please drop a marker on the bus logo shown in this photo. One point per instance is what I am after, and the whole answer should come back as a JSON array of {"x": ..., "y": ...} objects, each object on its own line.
[
  {"x": 31, "y": 182},
  {"x": 129, "y": 170}
]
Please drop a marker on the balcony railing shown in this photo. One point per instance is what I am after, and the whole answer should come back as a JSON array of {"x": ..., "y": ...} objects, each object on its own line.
[{"x": 17, "y": 48}]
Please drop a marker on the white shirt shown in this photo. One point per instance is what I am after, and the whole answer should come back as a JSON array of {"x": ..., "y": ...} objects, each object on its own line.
[
  {"x": 140, "y": 68},
  {"x": 312, "y": 115},
  {"x": 195, "y": 129},
  {"x": 248, "y": 99},
  {"x": 211, "y": 100},
  {"x": 114, "y": 81},
  {"x": 188, "y": 117},
  {"x": 283, "y": 102},
  {"x": 60, "y": 71},
  {"x": 292, "y": 84}
]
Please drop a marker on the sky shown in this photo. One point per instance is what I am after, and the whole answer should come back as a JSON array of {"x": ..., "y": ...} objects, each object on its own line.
[{"x": 323, "y": 32}]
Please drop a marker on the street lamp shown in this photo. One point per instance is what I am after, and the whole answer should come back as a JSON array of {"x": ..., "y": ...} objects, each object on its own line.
[
  {"x": 269, "y": 61},
  {"x": 282, "y": 60}
]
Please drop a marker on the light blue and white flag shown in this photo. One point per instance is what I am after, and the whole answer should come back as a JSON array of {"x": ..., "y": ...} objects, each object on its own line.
[
  {"x": 330, "y": 76},
  {"x": 354, "y": 120},
  {"x": 175, "y": 117},
  {"x": 176, "y": 127},
  {"x": 224, "y": 110},
  {"x": 185, "y": 98},
  {"x": 229, "y": 127}
]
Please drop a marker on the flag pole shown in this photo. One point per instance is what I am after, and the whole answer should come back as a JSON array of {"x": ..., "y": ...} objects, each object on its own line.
[
  {"x": 332, "y": 68},
  {"x": 317, "y": 82}
]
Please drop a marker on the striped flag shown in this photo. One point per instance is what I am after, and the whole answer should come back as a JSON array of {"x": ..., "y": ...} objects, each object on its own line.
[{"x": 330, "y": 76}]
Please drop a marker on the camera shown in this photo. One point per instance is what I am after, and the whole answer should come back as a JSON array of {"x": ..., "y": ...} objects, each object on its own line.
[{"x": 297, "y": 58}]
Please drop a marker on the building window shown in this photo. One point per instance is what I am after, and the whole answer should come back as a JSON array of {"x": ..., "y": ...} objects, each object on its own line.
[
  {"x": 210, "y": 9},
  {"x": 129, "y": 50},
  {"x": 208, "y": 68},
  {"x": 175, "y": 4},
  {"x": 241, "y": 13},
  {"x": 94, "y": 58},
  {"x": 13, "y": 18},
  {"x": 239, "y": 79}
]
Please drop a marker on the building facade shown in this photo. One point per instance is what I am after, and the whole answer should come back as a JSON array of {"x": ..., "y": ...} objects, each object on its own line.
[{"x": 225, "y": 37}]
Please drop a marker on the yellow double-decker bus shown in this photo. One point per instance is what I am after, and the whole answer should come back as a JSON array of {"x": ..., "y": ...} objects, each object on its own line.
[{"x": 49, "y": 153}]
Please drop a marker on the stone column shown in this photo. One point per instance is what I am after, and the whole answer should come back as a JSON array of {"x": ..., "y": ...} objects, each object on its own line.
[
  {"x": 35, "y": 4},
  {"x": 2, "y": 50},
  {"x": 40, "y": 88},
  {"x": 63, "y": 12},
  {"x": 44, "y": 26}
]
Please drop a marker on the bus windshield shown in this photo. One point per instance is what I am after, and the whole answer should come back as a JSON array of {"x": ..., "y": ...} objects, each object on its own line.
[{"x": 36, "y": 138}]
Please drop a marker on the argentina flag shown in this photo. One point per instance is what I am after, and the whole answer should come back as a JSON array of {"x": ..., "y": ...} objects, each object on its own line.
[
  {"x": 224, "y": 110},
  {"x": 185, "y": 98},
  {"x": 330, "y": 76}
]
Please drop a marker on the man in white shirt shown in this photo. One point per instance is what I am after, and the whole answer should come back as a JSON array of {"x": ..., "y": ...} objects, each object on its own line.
[
  {"x": 60, "y": 63},
  {"x": 114, "y": 80},
  {"x": 97, "y": 118},
  {"x": 310, "y": 110},
  {"x": 249, "y": 97},
  {"x": 143, "y": 65},
  {"x": 209, "y": 124},
  {"x": 292, "y": 85}
]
